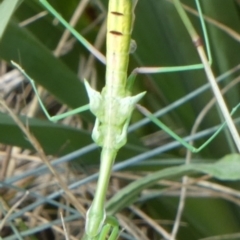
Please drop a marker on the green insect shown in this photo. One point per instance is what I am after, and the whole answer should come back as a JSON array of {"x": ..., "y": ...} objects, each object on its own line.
[{"x": 114, "y": 105}]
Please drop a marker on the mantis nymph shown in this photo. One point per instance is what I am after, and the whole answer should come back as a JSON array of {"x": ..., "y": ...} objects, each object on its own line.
[{"x": 114, "y": 105}]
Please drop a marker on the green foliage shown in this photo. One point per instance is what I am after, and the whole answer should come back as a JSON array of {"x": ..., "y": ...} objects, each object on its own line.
[{"x": 6, "y": 11}]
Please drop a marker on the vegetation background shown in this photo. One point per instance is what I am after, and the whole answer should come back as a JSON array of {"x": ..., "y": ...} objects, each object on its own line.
[{"x": 211, "y": 207}]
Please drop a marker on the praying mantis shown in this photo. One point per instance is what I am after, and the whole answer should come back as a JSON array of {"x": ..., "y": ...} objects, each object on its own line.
[{"x": 114, "y": 105}]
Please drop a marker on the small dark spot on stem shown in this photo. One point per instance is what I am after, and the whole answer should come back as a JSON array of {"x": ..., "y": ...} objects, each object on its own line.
[
  {"x": 117, "y": 13},
  {"x": 116, "y": 33},
  {"x": 198, "y": 42}
]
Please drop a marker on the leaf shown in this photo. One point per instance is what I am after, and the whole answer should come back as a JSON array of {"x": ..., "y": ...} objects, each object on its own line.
[
  {"x": 7, "y": 8},
  {"x": 228, "y": 168},
  {"x": 55, "y": 138},
  {"x": 42, "y": 66}
]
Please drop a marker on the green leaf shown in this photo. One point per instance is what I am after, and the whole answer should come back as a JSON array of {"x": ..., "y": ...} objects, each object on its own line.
[
  {"x": 227, "y": 168},
  {"x": 7, "y": 8},
  {"x": 56, "y": 139},
  {"x": 42, "y": 66}
]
